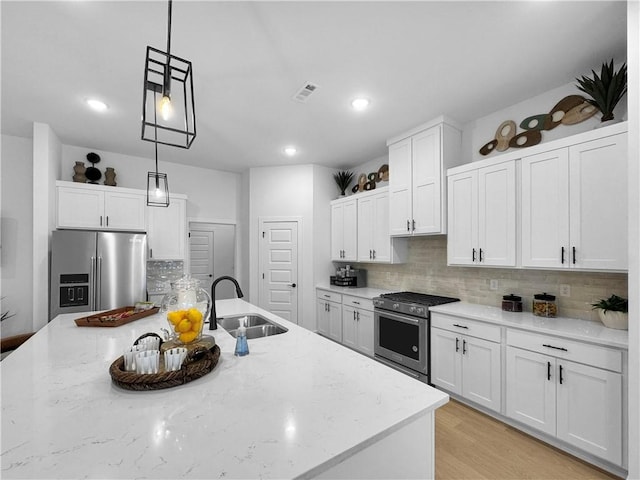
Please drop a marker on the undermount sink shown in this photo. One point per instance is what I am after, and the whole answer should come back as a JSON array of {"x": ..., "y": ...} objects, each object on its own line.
[{"x": 257, "y": 326}]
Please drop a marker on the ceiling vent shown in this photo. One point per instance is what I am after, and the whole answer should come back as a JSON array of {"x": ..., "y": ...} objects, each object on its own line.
[{"x": 305, "y": 92}]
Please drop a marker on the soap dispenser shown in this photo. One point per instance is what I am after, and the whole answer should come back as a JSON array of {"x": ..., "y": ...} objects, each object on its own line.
[{"x": 242, "y": 347}]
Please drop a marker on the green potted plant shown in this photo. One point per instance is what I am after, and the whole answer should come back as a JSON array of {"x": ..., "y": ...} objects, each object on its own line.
[
  {"x": 343, "y": 179},
  {"x": 613, "y": 312},
  {"x": 605, "y": 90}
]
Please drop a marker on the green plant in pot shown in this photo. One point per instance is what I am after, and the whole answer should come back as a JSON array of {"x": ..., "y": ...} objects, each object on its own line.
[
  {"x": 605, "y": 90},
  {"x": 343, "y": 179},
  {"x": 613, "y": 312}
]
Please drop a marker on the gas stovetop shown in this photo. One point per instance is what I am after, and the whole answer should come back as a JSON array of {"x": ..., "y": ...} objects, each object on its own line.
[{"x": 411, "y": 303}]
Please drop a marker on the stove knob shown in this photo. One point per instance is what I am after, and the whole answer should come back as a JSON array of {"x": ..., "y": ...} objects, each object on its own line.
[
  {"x": 396, "y": 306},
  {"x": 420, "y": 311},
  {"x": 413, "y": 310}
]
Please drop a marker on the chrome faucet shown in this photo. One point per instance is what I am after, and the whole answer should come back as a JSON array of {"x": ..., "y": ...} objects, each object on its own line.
[{"x": 213, "y": 321}]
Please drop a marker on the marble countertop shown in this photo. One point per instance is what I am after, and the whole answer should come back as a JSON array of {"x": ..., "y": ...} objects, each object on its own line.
[
  {"x": 571, "y": 328},
  {"x": 362, "y": 292},
  {"x": 291, "y": 407}
]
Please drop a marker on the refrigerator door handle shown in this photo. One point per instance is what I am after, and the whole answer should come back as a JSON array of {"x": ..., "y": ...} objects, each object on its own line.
[
  {"x": 99, "y": 283},
  {"x": 92, "y": 284}
]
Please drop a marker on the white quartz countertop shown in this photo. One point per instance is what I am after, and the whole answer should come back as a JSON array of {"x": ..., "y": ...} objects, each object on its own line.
[
  {"x": 572, "y": 328},
  {"x": 294, "y": 406},
  {"x": 362, "y": 292}
]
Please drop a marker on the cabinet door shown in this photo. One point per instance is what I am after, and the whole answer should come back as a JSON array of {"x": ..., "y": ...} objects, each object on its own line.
[
  {"x": 167, "y": 229},
  {"x": 349, "y": 327},
  {"x": 350, "y": 229},
  {"x": 481, "y": 372},
  {"x": 125, "y": 211},
  {"x": 589, "y": 415},
  {"x": 462, "y": 238},
  {"x": 364, "y": 321},
  {"x": 545, "y": 209},
  {"x": 80, "y": 208},
  {"x": 322, "y": 317},
  {"x": 531, "y": 389},
  {"x": 366, "y": 229},
  {"x": 335, "y": 321},
  {"x": 400, "y": 215},
  {"x": 426, "y": 181},
  {"x": 446, "y": 361},
  {"x": 337, "y": 231},
  {"x": 598, "y": 204},
  {"x": 497, "y": 215},
  {"x": 381, "y": 240}
]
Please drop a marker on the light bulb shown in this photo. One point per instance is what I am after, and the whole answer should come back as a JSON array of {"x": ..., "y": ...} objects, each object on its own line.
[
  {"x": 165, "y": 107},
  {"x": 158, "y": 193}
]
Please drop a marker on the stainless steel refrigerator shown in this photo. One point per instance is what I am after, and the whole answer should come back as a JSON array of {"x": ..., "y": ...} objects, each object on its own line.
[{"x": 96, "y": 270}]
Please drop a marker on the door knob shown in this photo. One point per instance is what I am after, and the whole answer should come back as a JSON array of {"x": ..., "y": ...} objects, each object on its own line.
[{"x": 292, "y": 285}]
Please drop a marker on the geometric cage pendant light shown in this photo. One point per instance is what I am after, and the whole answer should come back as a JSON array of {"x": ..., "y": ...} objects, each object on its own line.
[
  {"x": 169, "y": 79},
  {"x": 157, "y": 187}
]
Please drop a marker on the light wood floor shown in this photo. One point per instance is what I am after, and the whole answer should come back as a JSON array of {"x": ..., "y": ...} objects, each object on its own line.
[{"x": 472, "y": 445}]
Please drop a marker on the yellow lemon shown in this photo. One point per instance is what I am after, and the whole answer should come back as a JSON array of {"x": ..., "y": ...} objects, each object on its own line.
[
  {"x": 183, "y": 326},
  {"x": 174, "y": 317},
  {"x": 196, "y": 325},
  {"x": 187, "y": 337},
  {"x": 194, "y": 315}
]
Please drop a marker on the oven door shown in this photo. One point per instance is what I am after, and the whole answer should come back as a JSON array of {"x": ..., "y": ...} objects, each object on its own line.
[{"x": 401, "y": 339}]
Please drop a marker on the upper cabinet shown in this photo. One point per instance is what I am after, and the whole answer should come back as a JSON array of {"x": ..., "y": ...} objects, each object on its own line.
[
  {"x": 482, "y": 216},
  {"x": 167, "y": 229},
  {"x": 344, "y": 229},
  {"x": 100, "y": 207},
  {"x": 375, "y": 245},
  {"x": 417, "y": 188},
  {"x": 574, "y": 206}
]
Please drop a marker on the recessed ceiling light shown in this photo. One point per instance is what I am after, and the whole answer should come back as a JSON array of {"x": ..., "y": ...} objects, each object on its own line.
[
  {"x": 97, "y": 105},
  {"x": 291, "y": 151},
  {"x": 360, "y": 103}
]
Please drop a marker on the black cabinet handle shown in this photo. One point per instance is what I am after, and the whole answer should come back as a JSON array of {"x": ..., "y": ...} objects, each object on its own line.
[
  {"x": 464, "y": 347},
  {"x": 408, "y": 226},
  {"x": 562, "y": 255},
  {"x": 461, "y": 326},
  {"x": 413, "y": 225},
  {"x": 555, "y": 348},
  {"x": 548, "y": 370},
  {"x": 561, "y": 375},
  {"x": 573, "y": 253},
  {"x": 473, "y": 254},
  {"x": 480, "y": 256},
  {"x": 457, "y": 344}
]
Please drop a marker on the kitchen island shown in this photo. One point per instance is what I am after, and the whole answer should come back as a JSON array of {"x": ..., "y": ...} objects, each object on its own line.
[{"x": 298, "y": 406}]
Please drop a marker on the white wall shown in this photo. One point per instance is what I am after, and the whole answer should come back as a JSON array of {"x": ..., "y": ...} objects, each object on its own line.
[
  {"x": 324, "y": 190},
  {"x": 16, "y": 184}
]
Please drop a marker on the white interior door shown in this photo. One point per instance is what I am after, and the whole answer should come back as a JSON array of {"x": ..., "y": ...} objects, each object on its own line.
[
  {"x": 212, "y": 254},
  {"x": 279, "y": 268}
]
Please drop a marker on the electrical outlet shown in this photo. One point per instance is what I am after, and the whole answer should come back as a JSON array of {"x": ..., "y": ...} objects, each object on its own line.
[
  {"x": 493, "y": 284},
  {"x": 565, "y": 290}
]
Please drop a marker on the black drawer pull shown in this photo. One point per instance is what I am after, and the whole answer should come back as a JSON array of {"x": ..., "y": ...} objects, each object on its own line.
[
  {"x": 555, "y": 348},
  {"x": 460, "y": 326}
]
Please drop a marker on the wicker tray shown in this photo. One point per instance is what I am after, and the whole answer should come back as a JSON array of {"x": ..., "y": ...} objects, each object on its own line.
[
  {"x": 107, "y": 319},
  {"x": 198, "y": 363}
]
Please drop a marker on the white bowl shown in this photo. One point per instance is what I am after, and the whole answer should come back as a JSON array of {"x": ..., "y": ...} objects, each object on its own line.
[{"x": 617, "y": 320}]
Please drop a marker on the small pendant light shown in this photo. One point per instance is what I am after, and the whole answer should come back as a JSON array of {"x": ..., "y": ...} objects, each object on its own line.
[{"x": 157, "y": 183}]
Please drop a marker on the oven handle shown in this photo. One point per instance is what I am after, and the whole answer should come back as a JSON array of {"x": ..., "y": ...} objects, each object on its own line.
[
  {"x": 397, "y": 367},
  {"x": 398, "y": 317}
]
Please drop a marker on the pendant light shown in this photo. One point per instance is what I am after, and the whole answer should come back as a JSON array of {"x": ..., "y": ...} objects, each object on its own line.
[
  {"x": 157, "y": 183},
  {"x": 171, "y": 78}
]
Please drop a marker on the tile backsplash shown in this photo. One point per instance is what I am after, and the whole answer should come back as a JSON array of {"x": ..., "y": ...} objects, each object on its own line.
[
  {"x": 161, "y": 273},
  {"x": 426, "y": 271}
]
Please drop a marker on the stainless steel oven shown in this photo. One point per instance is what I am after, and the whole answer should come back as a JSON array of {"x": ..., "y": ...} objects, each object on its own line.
[{"x": 401, "y": 331}]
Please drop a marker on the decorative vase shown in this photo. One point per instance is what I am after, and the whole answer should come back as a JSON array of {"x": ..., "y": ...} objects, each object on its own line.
[
  {"x": 78, "y": 173},
  {"x": 611, "y": 319},
  {"x": 186, "y": 308},
  {"x": 110, "y": 177}
]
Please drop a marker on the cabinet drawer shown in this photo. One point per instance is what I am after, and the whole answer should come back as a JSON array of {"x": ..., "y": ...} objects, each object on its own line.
[
  {"x": 466, "y": 327},
  {"x": 358, "y": 302},
  {"x": 328, "y": 295},
  {"x": 596, "y": 355}
]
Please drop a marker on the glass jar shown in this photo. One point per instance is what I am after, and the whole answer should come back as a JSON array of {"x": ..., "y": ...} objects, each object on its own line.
[
  {"x": 186, "y": 308},
  {"x": 512, "y": 303},
  {"x": 544, "y": 305}
]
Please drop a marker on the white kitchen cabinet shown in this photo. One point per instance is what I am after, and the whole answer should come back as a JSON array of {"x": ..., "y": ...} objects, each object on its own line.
[
  {"x": 344, "y": 230},
  {"x": 465, "y": 364},
  {"x": 357, "y": 324},
  {"x": 329, "y": 314},
  {"x": 574, "y": 206},
  {"x": 375, "y": 245},
  {"x": 167, "y": 230},
  {"x": 573, "y": 393},
  {"x": 482, "y": 216},
  {"x": 417, "y": 186},
  {"x": 98, "y": 207}
]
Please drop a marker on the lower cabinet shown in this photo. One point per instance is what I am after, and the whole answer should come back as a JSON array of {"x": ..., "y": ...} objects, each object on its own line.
[
  {"x": 578, "y": 403},
  {"x": 329, "y": 314},
  {"x": 466, "y": 365},
  {"x": 357, "y": 324}
]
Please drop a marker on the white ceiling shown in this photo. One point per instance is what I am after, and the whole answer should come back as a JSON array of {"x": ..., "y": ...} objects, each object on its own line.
[{"x": 415, "y": 60}]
